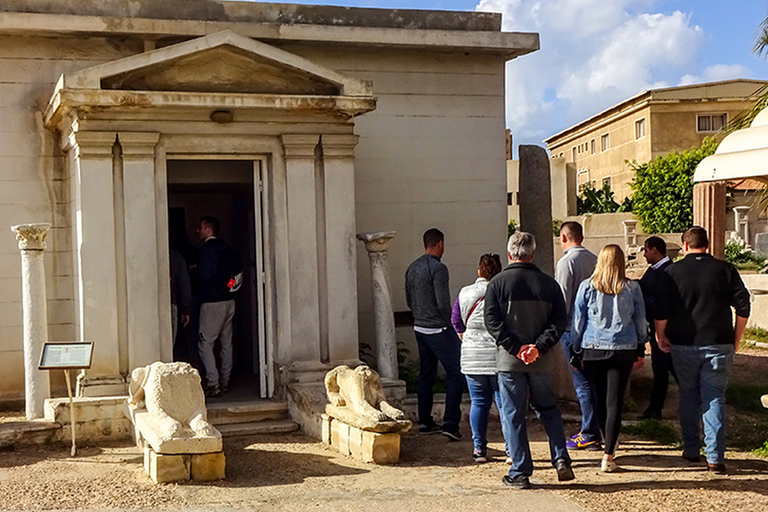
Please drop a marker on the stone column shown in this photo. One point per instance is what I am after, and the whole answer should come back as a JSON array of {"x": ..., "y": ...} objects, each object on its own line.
[
  {"x": 709, "y": 213},
  {"x": 93, "y": 241},
  {"x": 377, "y": 245},
  {"x": 302, "y": 243},
  {"x": 341, "y": 260},
  {"x": 140, "y": 231},
  {"x": 536, "y": 204},
  {"x": 31, "y": 239}
]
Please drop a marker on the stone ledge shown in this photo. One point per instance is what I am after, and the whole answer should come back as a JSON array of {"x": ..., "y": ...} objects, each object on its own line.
[
  {"x": 374, "y": 447},
  {"x": 29, "y": 432}
]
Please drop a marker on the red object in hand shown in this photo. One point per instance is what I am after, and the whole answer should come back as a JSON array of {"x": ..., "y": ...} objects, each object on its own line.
[{"x": 231, "y": 283}]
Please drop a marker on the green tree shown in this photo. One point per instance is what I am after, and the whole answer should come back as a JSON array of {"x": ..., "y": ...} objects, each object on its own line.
[
  {"x": 663, "y": 189},
  {"x": 600, "y": 201}
]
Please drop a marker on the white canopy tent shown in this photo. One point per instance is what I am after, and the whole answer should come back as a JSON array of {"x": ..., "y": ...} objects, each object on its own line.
[{"x": 742, "y": 154}]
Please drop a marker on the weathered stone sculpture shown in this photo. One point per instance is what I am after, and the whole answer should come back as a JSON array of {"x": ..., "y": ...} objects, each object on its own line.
[
  {"x": 167, "y": 407},
  {"x": 359, "y": 421}
]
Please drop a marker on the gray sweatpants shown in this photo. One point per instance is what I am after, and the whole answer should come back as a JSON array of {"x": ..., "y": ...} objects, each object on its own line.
[{"x": 216, "y": 322}]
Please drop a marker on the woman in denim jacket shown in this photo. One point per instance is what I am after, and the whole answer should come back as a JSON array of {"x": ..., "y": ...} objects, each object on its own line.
[{"x": 610, "y": 327}]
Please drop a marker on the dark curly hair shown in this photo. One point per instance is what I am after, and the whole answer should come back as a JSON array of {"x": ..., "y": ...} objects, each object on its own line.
[{"x": 490, "y": 265}]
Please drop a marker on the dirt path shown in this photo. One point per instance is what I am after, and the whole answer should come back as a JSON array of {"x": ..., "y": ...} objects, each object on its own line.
[{"x": 295, "y": 473}]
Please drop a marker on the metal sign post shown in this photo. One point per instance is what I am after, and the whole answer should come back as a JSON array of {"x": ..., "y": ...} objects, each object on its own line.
[{"x": 67, "y": 356}]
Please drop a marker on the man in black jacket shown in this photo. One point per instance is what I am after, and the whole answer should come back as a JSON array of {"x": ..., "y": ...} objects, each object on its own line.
[
  {"x": 525, "y": 312},
  {"x": 701, "y": 335},
  {"x": 655, "y": 286}
]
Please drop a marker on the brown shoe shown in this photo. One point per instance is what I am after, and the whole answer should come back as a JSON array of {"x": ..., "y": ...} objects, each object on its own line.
[{"x": 718, "y": 469}]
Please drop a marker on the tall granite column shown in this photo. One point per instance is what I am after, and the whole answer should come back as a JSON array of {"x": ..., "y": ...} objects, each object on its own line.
[
  {"x": 377, "y": 245},
  {"x": 709, "y": 213},
  {"x": 536, "y": 204},
  {"x": 31, "y": 239}
]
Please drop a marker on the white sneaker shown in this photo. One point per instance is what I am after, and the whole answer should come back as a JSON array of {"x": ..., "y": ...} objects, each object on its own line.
[
  {"x": 608, "y": 465},
  {"x": 509, "y": 460}
]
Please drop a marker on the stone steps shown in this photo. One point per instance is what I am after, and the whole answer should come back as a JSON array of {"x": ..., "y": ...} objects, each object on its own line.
[
  {"x": 258, "y": 427},
  {"x": 228, "y": 413},
  {"x": 28, "y": 432}
]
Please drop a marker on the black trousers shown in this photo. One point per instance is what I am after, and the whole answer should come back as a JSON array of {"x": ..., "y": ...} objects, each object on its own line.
[
  {"x": 609, "y": 378},
  {"x": 661, "y": 362}
]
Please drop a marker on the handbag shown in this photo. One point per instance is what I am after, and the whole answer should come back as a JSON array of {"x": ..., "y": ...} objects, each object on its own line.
[{"x": 575, "y": 356}]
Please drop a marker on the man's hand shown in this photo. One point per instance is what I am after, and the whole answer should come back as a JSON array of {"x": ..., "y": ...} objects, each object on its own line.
[
  {"x": 184, "y": 320},
  {"x": 639, "y": 363},
  {"x": 528, "y": 354},
  {"x": 663, "y": 342}
]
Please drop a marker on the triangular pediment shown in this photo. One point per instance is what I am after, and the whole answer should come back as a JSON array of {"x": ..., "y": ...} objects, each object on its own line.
[{"x": 224, "y": 62}]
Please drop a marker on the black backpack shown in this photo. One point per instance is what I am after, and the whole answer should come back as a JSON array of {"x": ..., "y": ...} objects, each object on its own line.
[{"x": 229, "y": 273}]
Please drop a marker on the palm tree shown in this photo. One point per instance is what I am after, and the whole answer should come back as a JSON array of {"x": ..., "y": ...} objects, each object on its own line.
[{"x": 760, "y": 49}]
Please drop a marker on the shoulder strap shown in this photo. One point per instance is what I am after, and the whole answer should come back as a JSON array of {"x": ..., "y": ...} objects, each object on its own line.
[{"x": 475, "y": 307}]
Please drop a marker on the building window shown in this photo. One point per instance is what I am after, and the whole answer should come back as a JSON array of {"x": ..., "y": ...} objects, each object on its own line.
[
  {"x": 592, "y": 146},
  {"x": 574, "y": 153},
  {"x": 640, "y": 129},
  {"x": 607, "y": 181},
  {"x": 605, "y": 142},
  {"x": 711, "y": 122}
]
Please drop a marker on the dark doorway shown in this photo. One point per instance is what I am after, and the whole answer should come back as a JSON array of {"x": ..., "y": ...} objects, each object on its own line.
[{"x": 224, "y": 189}]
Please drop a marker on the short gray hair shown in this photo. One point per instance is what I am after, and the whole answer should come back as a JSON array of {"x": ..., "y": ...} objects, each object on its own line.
[{"x": 521, "y": 246}]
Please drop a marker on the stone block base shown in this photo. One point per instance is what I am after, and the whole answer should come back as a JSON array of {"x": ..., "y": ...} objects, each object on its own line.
[
  {"x": 164, "y": 468},
  {"x": 375, "y": 447}
]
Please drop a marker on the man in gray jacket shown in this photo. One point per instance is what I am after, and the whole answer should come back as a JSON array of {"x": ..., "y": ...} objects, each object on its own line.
[
  {"x": 428, "y": 297},
  {"x": 576, "y": 265},
  {"x": 525, "y": 313}
]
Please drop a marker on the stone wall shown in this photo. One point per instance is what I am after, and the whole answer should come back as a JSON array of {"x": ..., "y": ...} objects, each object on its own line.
[{"x": 34, "y": 188}]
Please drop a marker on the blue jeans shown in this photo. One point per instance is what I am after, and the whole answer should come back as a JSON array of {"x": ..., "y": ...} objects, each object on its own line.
[
  {"x": 590, "y": 427},
  {"x": 702, "y": 373},
  {"x": 515, "y": 389},
  {"x": 483, "y": 389},
  {"x": 445, "y": 348}
]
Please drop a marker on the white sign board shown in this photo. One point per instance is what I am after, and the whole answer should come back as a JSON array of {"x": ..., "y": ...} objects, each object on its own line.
[{"x": 66, "y": 356}]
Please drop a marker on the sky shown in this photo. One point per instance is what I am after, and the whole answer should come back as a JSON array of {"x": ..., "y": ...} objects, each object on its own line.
[{"x": 597, "y": 53}]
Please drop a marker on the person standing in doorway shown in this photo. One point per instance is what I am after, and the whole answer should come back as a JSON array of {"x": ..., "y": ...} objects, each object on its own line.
[
  {"x": 220, "y": 276},
  {"x": 576, "y": 265},
  {"x": 181, "y": 293},
  {"x": 702, "y": 337},
  {"x": 654, "y": 284},
  {"x": 428, "y": 297},
  {"x": 525, "y": 313}
]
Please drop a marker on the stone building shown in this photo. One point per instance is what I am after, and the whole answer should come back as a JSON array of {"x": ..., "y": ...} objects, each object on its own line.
[
  {"x": 648, "y": 125},
  {"x": 297, "y": 125}
]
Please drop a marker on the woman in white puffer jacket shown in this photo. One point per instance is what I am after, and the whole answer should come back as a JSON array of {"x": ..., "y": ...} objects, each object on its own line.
[{"x": 478, "y": 352}]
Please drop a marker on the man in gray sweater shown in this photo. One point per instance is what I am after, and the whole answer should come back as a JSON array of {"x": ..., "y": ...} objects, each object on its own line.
[
  {"x": 576, "y": 265},
  {"x": 428, "y": 297}
]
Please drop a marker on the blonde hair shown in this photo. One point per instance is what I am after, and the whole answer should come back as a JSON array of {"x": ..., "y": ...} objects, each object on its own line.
[{"x": 609, "y": 276}]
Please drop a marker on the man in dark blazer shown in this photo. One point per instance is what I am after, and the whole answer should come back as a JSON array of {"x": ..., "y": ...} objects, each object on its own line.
[{"x": 655, "y": 286}]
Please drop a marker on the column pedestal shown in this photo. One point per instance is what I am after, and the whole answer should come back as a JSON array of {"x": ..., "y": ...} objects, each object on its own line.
[
  {"x": 31, "y": 239},
  {"x": 709, "y": 213},
  {"x": 377, "y": 245}
]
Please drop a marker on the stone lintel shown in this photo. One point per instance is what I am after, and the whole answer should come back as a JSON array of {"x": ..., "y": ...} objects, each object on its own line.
[
  {"x": 376, "y": 241},
  {"x": 138, "y": 145},
  {"x": 339, "y": 146},
  {"x": 300, "y": 146},
  {"x": 31, "y": 237},
  {"x": 66, "y": 101}
]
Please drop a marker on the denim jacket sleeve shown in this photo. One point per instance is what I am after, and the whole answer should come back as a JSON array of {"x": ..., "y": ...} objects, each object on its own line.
[
  {"x": 638, "y": 316},
  {"x": 580, "y": 314}
]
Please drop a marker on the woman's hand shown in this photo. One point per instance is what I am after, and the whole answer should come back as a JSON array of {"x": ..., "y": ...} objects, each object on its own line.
[{"x": 639, "y": 363}]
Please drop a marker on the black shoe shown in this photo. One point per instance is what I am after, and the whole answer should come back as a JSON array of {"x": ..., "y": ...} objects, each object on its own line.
[
  {"x": 224, "y": 387},
  {"x": 692, "y": 458},
  {"x": 212, "y": 391},
  {"x": 479, "y": 456},
  {"x": 453, "y": 435},
  {"x": 518, "y": 482},
  {"x": 564, "y": 471},
  {"x": 650, "y": 414},
  {"x": 718, "y": 469},
  {"x": 434, "y": 428}
]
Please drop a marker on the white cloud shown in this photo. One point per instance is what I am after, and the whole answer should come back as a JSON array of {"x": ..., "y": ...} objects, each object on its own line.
[
  {"x": 717, "y": 73},
  {"x": 594, "y": 54}
]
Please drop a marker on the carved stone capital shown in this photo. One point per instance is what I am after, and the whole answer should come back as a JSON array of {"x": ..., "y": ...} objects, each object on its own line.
[
  {"x": 299, "y": 146},
  {"x": 138, "y": 145},
  {"x": 31, "y": 237},
  {"x": 91, "y": 144},
  {"x": 339, "y": 146},
  {"x": 376, "y": 241}
]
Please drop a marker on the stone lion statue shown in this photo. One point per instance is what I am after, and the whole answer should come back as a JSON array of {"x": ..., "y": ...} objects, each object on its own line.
[
  {"x": 173, "y": 397},
  {"x": 360, "y": 391}
]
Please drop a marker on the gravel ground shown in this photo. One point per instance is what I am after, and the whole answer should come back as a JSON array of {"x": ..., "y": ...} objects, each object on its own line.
[{"x": 293, "y": 472}]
